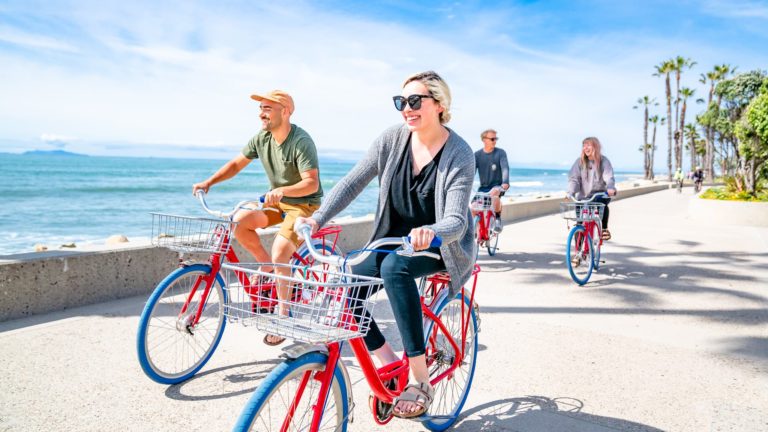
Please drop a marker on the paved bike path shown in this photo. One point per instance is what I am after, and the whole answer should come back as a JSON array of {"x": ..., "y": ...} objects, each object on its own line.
[{"x": 671, "y": 334}]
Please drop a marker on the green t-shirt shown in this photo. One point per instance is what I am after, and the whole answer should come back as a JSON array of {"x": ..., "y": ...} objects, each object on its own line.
[{"x": 284, "y": 163}]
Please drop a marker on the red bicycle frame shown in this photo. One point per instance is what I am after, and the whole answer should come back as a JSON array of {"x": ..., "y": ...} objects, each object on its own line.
[{"x": 376, "y": 377}]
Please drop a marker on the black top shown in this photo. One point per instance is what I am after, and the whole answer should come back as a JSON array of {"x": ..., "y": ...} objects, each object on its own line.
[{"x": 411, "y": 201}]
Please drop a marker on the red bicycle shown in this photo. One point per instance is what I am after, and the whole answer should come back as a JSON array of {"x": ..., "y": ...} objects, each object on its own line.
[
  {"x": 311, "y": 389},
  {"x": 484, "y": 220},
  {"x": 184, "y": 318},
  {"x": 585, "y": 239}
]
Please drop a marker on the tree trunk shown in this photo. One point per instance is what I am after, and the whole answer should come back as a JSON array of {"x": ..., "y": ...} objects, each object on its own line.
[
  {"x": 678, "y": 134},
  {"x": 709, "y": 152},
  {"x": 669, "y": 130},
  {"x": 645, "y": 143},
  {"x": 652, "y": 150},
  {"x": 679, "y": 155}
]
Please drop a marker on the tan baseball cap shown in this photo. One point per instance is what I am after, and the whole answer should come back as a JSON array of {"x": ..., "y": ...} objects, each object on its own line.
[{"x": 277, "y": 96}]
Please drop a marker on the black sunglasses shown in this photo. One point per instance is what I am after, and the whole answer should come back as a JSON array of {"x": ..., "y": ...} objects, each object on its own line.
[
  {"x": 494, "y": 139},
  {"x": 413, "y": 100}
]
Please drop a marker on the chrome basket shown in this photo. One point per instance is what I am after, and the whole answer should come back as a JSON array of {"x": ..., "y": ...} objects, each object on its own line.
[
  {"x": 191, "y": 234},
  {"x": 582, "y": 212},
  {"x": 325, "y": 305}
]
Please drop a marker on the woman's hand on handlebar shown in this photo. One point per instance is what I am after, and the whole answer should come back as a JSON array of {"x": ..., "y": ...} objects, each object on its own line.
[
  {"x": 421, "y": 238},
  {"x": 611, "y": 192},
  {"x": 305, "y": 221},
  {"x": 203, "y": 186}
]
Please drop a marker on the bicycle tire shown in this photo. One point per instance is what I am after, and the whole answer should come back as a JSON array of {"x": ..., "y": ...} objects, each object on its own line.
[
  {"x": 597, "y": 233},
  {"x": 476, "y": 225},
  {"x": 277, "y": 390},
  {"x": 573, "y": 245},
  {"x": 450, "y": 393},
  {"x": 493, "y": 237},
  {"x": 167, "y": 353}
]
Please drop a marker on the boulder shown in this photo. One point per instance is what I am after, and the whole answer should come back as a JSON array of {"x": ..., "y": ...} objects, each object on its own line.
[{"x": 117, "y": 239}]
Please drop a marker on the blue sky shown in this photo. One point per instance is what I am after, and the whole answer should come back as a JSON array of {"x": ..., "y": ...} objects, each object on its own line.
[{"x": 173, "y": 78}]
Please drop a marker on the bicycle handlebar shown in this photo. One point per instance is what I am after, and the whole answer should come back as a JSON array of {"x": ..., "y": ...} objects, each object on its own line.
[
  {"x": 305, "y": 231},
  {"x": 599, "y": 194},
  {"x": 241, "y": 205}
]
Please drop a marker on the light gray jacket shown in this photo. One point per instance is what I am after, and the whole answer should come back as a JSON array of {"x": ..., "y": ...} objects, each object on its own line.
[
  {"x": 453, "y": 187},
  {"x": 584, "y": 182}
]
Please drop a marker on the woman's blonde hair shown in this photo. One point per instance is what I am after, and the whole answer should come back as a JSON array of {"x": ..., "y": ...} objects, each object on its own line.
[
  {"x": 597, "y": 152},
  {"x": 437, "y": 88}
]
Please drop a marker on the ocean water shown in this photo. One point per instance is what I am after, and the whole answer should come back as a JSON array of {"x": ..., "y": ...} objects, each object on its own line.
[{"x": 57, "y": 199}]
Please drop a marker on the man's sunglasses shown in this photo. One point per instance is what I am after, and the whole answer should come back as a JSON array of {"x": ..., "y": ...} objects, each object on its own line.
[
  {"x": 413, "y": 100},
  {"x": 494, "y": 139}
]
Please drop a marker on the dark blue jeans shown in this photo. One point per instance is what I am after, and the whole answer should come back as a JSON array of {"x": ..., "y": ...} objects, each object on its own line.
[{"x": 398, "y": 273}]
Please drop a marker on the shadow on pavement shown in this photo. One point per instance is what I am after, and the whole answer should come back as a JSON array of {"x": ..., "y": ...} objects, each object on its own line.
[
  {"x": 540, "y": 413},
  {"x": 223, "y": 382}
]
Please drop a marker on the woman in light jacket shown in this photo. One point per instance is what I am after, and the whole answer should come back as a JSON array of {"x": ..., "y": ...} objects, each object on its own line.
[
  {"x": 425, "y": 173},
  {"x": 592, "y": 173}
]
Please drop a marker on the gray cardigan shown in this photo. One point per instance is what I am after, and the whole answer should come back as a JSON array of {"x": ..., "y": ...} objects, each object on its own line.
[
  {"x": 583, "y": 183},
  {"x": 453, "y": 188}
]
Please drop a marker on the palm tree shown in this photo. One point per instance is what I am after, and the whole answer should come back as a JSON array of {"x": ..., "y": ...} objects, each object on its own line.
[
  {"x": 645, "y": 101},
  {"x": 710, "y": 77},
  {"x": 685, "y": 93},
  {"x": 678, "y": 64},
  {"x": 693, "y": 138},
  {"x": 652, "y": 150},
  {"x": 664, "y": 69}
]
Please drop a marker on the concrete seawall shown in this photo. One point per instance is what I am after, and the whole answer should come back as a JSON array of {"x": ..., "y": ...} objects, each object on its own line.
[{"x": 44, "y": 282}]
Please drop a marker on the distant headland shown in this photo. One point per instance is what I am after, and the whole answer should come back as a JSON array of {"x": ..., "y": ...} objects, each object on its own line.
[{"x": 51, "y": 153}]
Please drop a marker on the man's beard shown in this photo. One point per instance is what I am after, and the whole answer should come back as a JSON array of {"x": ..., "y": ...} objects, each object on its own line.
[{"x": 271, "y": 124}]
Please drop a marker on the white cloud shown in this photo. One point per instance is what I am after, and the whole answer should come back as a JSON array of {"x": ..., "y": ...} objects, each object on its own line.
[{"x": 33, "y": 41}]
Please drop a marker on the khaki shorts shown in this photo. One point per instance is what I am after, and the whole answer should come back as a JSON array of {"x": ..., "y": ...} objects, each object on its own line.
[{"x": 287, "y": 214}]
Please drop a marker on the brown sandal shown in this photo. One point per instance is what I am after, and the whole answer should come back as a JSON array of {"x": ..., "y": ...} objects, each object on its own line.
[
  {"x": 422, "y": 396},
  {"x": 275, "y": 342},
  {"x": 606, "y": 235}
]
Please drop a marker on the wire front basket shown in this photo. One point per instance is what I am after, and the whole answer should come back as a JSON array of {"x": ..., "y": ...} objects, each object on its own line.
[
  {"x": 480, "y": 202},
  {"x": 582, "y": 212},
  {"x": 325, "y": 305},
  {"x": 191, "y": 234}
]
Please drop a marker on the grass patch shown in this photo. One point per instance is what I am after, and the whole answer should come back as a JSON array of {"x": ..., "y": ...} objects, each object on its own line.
[{"x": 723, "y": 194}]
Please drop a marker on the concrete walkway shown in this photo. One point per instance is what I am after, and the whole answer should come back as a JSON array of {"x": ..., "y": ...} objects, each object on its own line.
[{"x": 671, "y": 334}]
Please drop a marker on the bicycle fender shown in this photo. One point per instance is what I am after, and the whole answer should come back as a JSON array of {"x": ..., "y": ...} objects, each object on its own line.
[{"x": 298, "y": 349}]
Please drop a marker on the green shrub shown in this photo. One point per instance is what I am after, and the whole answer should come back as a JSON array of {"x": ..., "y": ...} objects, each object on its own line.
[{"x": 725, "y": 194}]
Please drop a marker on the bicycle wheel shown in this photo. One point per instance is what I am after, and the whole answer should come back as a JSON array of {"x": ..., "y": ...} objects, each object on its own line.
[
  {"x": 493, "y": 236},
  {"x": 452, "y": 391},
  {"x": 476, "y": 229},
  {"x": 268, "y": 407},
  {"x": 596, "y": 234},
  {"x": 170, "y": 349},
  {"x": 579, "y": 255}
]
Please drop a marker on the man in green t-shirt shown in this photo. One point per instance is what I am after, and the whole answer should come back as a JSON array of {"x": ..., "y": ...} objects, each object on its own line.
[{"x": 289, "y": 157}]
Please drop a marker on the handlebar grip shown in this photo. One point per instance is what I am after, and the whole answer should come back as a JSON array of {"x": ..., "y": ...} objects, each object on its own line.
[
  {"x": 300, "y": 228},
  {"x": 436, "y": 241}
]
